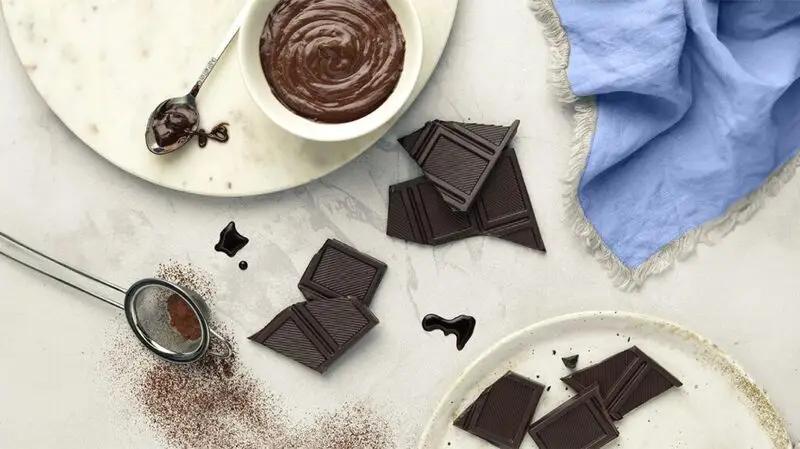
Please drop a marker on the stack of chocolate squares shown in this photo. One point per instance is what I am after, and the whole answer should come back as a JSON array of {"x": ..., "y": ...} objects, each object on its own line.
[
  {"x": 472, "y": 186},
  {"x": 339, "y": 285},
  {"x": 606, "y": 392}
]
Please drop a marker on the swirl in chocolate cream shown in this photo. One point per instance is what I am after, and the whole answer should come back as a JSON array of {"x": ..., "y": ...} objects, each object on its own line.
[{"x": 332, "y": 61}]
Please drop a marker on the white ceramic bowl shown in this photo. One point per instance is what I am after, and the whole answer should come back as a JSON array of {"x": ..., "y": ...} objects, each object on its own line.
[{"x": 250, "y": 59}]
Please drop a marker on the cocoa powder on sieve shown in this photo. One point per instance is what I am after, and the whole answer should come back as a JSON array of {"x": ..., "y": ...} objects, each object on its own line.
[{"x": 182, "y": 318}]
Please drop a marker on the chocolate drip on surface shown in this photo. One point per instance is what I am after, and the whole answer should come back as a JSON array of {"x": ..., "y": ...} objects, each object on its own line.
[{"x": 461, "y": 326}]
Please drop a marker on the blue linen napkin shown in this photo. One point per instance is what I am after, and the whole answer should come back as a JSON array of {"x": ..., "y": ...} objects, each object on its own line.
[{"x": 687, "y": 117}]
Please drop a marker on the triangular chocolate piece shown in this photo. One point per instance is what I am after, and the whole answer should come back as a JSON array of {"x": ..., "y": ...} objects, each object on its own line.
[
  {"x": 456, "y": 159},
  {"x": 502, "y": 412},
  {"x": 286, "y": 336},
  {"x": 649, "y": 381},
  {"x": 504, "y": 207},
  {"x": 408, "y": 142}
]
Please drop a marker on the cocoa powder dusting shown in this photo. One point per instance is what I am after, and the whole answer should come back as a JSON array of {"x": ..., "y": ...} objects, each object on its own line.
[
  {"x": 221, "y": 404},
  {"x": 189, "y": 276},
  {"x": 182, "y": 318}
]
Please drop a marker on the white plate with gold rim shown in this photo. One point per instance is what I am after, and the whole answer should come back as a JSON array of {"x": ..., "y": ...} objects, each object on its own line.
[
  {"x": 103, "y": 66},
  {"x": 719, "y": 405}
]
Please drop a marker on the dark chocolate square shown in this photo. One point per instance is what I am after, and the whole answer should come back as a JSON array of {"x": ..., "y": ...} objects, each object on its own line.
[
  {"x": 580, "y": 423},
  {"x": 339, "y": 270},
  {"x": 503, "y": 411},
  {"x": 317, "y": 333}
]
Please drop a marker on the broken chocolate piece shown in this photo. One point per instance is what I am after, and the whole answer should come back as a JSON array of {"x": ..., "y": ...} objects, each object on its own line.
[
  {"x": 570, "y": 362},
  {"x": 580, "y": 423},
  {"x": 339, "y": 270},
  {"x": 503, "y": 411},
  {"x": 649, "y": 381},
  {"x": 317, "y": 333},
  {"x": 458, "y": 158},
  {"x": 625, "y": 380},
  {"x": 462, "y": 326},
  {"x": 503, "y": 210},
  {"x": 418, "y": 214}
]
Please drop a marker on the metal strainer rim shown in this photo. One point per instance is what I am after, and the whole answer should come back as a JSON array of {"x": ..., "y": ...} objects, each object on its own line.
[{"x": 131, "y": 301}]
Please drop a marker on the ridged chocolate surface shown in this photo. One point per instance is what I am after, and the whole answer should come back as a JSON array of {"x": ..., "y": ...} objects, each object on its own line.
[
  {"x": 339, "y": 270},
  {"x": 503, "y": 210},
  {"x": 341, "y": 319},
  {"x": 457, "y": 159},
  {"x": 625, "y": 381},
  {"x": 609, "y": 375},
  {"x": 502, "y": 412},
  {"x": 580, "y": 423},
  {"x": 317, "y": 333},
  {"x": 290, "y": 341}
]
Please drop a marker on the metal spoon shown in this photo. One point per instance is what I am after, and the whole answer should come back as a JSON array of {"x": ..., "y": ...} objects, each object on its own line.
[{"x": 187, "y": 104}]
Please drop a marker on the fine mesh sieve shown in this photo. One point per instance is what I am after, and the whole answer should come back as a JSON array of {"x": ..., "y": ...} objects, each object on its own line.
[{"x": 170, "y": 320}]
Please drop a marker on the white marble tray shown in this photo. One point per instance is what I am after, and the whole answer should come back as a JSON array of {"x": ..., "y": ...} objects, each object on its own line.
[
  {"x": 719, "y": 406},
  {"x": 103, "y": 66}
]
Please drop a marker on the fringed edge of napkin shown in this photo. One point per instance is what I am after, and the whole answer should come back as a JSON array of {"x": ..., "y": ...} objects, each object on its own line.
[{"x": 585, "y": 117}]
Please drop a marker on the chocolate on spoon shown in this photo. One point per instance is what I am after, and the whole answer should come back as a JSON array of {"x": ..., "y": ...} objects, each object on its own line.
[{"x": 175, "y": 121}]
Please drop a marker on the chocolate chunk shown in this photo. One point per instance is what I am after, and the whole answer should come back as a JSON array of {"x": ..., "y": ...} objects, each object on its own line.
[
  {"x": 503, "y": 210},
  {"x": 339, "y": 270},
  {"x": 462, "y": 326},
  {"x": 458, "y": 158},
  {"x": 625, "y": 380},
  {"x": 504, "y": 207},
  {"x": 502, "y": 412},
  {"x": 317, "y": 333},
  {"x": 648, "y": 381},
  {"x": 570, "y": 362},
  {"x": 580, "y": 423},
  {"x": 418, "y": 214}
]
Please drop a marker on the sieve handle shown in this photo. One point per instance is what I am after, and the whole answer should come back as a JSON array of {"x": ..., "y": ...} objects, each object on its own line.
[
  {"x": 225, "y": 352},
  {"x": 57, "y": 270}
]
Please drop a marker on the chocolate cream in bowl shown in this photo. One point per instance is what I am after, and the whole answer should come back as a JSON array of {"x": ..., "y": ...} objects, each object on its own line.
[{"x": 332, "y": 61}]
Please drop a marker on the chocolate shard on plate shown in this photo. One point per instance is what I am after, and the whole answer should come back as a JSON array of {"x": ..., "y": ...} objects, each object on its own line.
[
  {"x": 609, "y": 375},
  {"x": 457, "y": 158},
  {"x": 339, "y": 270},
  {"x": 625, "y": 380},
  {"x": 317, "y": 333},
  {"x": 418, "y": 214},
  {"x": 570, "y": 362},
  {"x": 648, "y": 381},
  {"x": 503, "y": 411},
  {"x": 580, "y": 423}
]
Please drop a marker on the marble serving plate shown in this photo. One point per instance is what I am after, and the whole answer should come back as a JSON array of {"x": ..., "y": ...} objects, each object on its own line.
[{"x": 103, "y": 66}]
